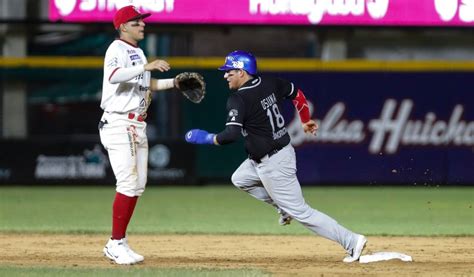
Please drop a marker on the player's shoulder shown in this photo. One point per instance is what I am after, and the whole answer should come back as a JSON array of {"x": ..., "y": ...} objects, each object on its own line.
[
  {"x": 271, "y": 79},
  {"x": 235, "y": 98},
  {"x": 122, "y": 46},
  {"x": 115, "y": 47},
  {"x": 118, "y": 44},
  {"x": 270, "y": 83}
]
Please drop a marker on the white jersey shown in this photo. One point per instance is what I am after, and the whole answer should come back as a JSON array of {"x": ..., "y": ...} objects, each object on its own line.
[{"x": 132, "y": 95}]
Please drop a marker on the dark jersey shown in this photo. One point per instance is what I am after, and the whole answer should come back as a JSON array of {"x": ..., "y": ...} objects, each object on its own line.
[{"x": 256, "y": 107}]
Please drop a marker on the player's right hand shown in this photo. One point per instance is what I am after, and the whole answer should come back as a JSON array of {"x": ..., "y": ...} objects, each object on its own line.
[
  {"x": 310, "y": 127},
  {"x": 160, "y": 65}
]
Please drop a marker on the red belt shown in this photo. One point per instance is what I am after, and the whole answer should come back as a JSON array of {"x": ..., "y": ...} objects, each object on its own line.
[{"x": 138, "y": 117}]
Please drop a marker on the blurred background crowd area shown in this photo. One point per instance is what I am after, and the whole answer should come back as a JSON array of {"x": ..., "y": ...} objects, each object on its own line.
[{"x": 51, "y": 70}]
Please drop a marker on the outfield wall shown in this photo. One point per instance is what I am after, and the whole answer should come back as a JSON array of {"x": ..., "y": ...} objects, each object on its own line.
[
  {"x": 84, "y": 161},
  {"x": 379, "y": 128}
]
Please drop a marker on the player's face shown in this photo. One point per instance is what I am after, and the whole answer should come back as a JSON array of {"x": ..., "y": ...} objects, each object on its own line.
[
  {"x": 135, "y": 29},
  {"x": 235, "y": 78}
]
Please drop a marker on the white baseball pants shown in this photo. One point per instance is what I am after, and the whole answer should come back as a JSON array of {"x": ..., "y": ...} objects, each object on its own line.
[
  {"x": 274, "y": 181},
  {"x": 127, "y": 145}
]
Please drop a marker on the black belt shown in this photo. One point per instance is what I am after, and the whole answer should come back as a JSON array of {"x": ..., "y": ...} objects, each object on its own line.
[{"x": 269, "y": 154}]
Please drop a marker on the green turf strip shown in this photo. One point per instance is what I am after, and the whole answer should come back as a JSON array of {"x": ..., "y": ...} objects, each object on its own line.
[{"x": 424, "y": 211}]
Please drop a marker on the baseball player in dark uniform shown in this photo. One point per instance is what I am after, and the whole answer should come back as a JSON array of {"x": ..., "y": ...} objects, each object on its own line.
[{"x": 269, "y": 173}]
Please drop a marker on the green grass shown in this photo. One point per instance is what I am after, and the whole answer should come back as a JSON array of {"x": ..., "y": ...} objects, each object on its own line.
[
  {"x": 142, "y": 272},
  {"x": 423, "y": 211}
]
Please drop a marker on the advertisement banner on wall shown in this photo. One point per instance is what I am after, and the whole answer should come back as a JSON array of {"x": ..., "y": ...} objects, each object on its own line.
[
  {"x": 84, "y": 163},
  {"x": 276, "y": 12},
  {"x": 386, "y": 128}
]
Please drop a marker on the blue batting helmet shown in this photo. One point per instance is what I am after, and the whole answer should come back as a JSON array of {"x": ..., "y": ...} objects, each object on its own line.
[{"x": 240, "y": 60}]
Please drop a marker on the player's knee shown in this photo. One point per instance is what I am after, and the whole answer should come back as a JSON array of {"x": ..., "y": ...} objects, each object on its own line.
[{"x": 237, "y": 180}]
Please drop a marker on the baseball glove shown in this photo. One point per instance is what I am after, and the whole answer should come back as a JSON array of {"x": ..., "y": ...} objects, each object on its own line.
[{"x": 191, "y": 85}]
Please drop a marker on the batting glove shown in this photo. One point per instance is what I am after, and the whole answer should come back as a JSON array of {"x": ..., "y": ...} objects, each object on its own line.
[{"x": 197, "y": 136}]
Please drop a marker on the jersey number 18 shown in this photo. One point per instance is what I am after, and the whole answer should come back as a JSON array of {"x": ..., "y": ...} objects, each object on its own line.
[{"x": 274, "y": 115}]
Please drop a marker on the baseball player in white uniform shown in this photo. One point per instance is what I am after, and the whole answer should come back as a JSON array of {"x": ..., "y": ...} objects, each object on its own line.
[{"x": 126, "y": 95}]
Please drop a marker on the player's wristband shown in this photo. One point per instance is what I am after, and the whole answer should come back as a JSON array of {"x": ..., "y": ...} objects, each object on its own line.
[
  {"x": 302, "y": 106},
  {"x": 162, "y": 84}
]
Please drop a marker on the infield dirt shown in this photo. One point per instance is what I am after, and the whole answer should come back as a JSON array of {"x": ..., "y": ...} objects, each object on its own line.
[{"x": 278, "y": 255}]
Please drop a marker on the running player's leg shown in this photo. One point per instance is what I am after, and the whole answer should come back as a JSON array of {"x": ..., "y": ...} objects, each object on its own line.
[
  {"x": 246, "y": 178},
  {"x": 278, "y": 175}
]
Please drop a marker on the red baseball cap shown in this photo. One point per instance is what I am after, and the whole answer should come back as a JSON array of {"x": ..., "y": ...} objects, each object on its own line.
[{"x": 126, "y": 14}]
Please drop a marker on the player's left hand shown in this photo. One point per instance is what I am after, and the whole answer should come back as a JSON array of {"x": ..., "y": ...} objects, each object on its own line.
[
  {"x": 197, "y": 136},
  {"x": 310, "y": 127}
]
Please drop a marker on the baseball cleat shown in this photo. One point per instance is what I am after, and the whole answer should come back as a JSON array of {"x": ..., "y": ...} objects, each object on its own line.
[
  {"x": 138, "y": 258},
  {"x": 285, "y": 219},
  {"x": 116, "y": 251},
  {"x": 355, "y": 252}
]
